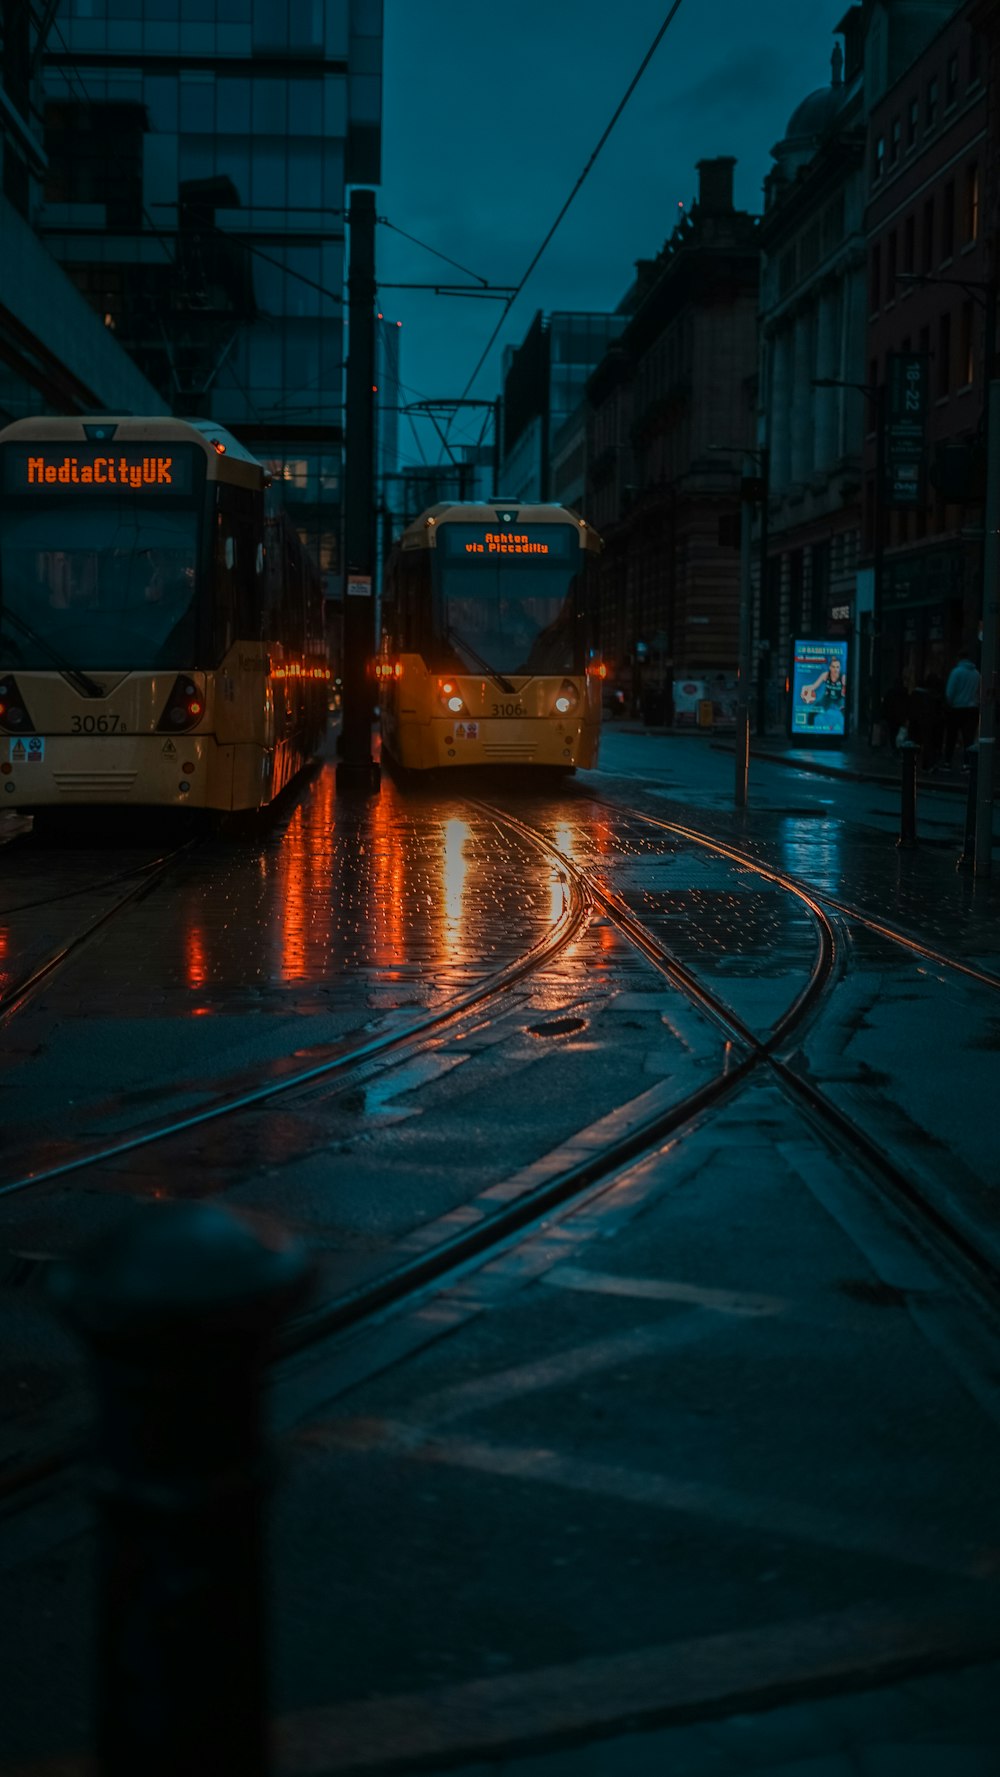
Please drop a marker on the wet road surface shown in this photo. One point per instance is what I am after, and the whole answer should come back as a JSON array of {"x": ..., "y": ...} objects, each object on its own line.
[{"x": 722, "y": 1399}]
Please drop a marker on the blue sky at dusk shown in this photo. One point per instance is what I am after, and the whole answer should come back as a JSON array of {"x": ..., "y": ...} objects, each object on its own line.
[{"x": 490, "y": 116}]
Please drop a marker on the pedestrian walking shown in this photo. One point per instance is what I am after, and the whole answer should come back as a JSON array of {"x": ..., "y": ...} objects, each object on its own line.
[{"x": 961, "y": 707}]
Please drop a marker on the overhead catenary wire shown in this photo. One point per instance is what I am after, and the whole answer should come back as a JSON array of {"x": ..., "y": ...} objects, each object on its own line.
[{"x": 619, "y": 108}]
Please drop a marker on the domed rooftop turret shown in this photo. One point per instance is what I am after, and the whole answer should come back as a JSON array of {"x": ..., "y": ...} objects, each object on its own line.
[
  {"x": 814, "y": 116},
  {"x": 811, "y": 120}
]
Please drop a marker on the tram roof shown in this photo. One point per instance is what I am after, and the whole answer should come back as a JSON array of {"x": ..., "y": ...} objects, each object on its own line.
[
  {"x": 233, "y": 462},
  {"x": 495, "y": 512}
]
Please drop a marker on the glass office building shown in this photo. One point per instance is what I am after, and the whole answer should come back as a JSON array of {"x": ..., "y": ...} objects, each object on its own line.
[{"x": 198, "y": 156}]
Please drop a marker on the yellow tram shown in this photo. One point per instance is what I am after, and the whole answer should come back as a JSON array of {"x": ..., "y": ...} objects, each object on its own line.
[
  {"x": 488, "y": 654},
  {"x": 161, "y": 629}
]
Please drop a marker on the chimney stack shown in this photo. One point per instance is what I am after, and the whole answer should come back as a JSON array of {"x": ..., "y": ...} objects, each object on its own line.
[{"x": 715, "y": 185}]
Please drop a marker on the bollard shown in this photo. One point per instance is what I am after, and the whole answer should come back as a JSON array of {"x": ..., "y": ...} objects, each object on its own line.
[
  {"x": 177, "y": 1310},
  {"x": 908, "y": 795},
  {"x": 967, "y": 856}
]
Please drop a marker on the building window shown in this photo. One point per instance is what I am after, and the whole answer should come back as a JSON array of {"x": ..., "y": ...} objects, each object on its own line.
[
  {"x": 895, "y": 138},
  {"x": 951, "y": 82},
  {"x": 931, "y": 104},
  {"x": 870, "y": 405},
  {"x": 874, "y": 279},
  {"x": 912, "y": 119},
  {"x": 948, "y": 222},
  {"x": 971, "y": 218},
  {"x": 966, "y": 344},
  {"x": 944, "y": 356},
  {"x": 975, "y": 59},
  {"x": 927, "y": 245},
  {"x": 890, "y": 267},
  {"x": 878, "y": 157},
  {"x": 909, "y": 244}
]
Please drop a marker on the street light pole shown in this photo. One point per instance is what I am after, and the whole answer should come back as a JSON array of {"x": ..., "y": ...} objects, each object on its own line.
[
  {"x": 746, "y": 610},
  {"x": 879, "y": 514}
]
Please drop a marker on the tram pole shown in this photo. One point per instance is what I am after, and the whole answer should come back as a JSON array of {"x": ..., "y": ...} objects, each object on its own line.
[
  {"x": 990, "y": 662},
  {"x": 357, "y": 770},
  {"x": 753, "y": 489}
]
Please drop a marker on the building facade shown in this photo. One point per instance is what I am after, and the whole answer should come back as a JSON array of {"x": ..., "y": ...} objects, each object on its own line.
[
  {"x": 544, "y": 379},
  {"x": 197, "y": 163},
  {"x": 672, "y": 411},
  {"x": 929, "y": 265},
  {"x": 56, "y": 356},
  {"x": 812, "y": 341}
]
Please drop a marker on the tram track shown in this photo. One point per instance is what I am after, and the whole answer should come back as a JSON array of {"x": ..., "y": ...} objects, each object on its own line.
[
  {"x": 18, "y": 992},
  {"x": 510, "y": 1210},
  {"x": 927, "y": 1216}
]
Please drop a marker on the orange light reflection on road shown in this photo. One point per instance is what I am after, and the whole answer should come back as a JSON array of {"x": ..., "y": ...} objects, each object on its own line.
[
  {"x": 563, "y": 836},
  {"x": 389, "y": 888},
  {"x": 305, "y": 894},
  {"x": 195, "y": 960},
  {"x": 454, "y": 872}
]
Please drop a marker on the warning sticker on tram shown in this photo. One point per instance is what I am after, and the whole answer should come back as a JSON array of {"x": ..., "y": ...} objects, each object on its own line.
[{"x": 27, "y": 750}]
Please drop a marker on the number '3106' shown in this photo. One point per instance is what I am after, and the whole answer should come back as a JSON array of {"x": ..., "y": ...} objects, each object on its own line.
[{"x": 98, "y": 725}]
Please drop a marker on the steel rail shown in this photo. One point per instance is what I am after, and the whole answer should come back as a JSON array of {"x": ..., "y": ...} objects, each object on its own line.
[
  {"x": 906, "y": 1194},
  {"x": 14, "y": 997},
  {"x": 857, "y": 915},
  {"x": 400, "y": 1283}
]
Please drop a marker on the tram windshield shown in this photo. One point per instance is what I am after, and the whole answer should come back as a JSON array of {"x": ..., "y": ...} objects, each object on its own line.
[
  {"x": 98, "y": 590},
  {"x": 507, "y": 602}
]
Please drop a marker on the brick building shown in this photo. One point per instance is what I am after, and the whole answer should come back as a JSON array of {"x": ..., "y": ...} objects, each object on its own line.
[
  {"x": 812, "y": 327},
  {"x": 675, "y": 387},
  {"x": 928, "y": 267}
]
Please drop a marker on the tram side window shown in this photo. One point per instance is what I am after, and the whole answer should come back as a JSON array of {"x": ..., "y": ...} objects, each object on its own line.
[
  {"x": 236, "y": 573},
  {"x": 412, "y": 617}
]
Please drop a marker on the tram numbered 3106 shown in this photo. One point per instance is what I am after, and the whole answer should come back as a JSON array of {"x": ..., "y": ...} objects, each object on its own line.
[
  {"x": 488, "y": 653},
  {"x": 161, "y": 624}
]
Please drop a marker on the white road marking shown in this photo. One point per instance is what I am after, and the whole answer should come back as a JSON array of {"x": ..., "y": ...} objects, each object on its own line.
[
  {"x": 657, "y": 1289},
  {"x": 912, "y": 1546}
]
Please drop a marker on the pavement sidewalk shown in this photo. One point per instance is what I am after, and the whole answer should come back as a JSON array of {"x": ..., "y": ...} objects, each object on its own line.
[{"x": 855, "y": 760}]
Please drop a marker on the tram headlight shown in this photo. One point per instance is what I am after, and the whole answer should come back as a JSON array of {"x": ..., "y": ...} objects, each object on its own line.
[
  {"x": 568, "y": 697},
  {"x": 450, "y": 696}
]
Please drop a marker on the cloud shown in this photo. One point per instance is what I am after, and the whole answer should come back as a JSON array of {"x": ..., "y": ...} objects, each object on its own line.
[{"x": 748, "y": 79}]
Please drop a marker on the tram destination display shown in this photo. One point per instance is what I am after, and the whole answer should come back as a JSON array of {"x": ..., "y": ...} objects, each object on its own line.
[
  {"x": 96, "y": 470},
  {"x": 819, "y": 689}
]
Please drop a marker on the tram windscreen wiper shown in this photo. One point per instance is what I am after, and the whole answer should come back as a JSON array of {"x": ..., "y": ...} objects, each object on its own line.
[
  {"x": 484, "y": 665},
  {"x": 81, "y": 680}
]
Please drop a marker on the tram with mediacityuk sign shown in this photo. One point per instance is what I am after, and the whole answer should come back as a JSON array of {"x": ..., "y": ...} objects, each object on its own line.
[
  {"x": 161, "y": 626},
  {"x": 488, "y": 654}
]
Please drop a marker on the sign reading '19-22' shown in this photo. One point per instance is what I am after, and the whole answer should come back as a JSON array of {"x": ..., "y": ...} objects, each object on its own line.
[{"x": 30, "y": 470}]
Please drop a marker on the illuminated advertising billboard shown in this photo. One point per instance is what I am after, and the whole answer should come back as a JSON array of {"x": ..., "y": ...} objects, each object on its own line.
[{"x": 819, "y": 689}]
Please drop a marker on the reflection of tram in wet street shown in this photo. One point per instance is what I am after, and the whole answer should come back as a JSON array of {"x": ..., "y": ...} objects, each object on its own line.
[
  {"x": 161, "y": 632},
  {"x": 487, "y": 654}
]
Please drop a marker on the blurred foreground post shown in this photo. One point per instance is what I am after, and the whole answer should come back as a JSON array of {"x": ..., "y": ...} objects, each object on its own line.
[{"x": 177, "y": 1309}]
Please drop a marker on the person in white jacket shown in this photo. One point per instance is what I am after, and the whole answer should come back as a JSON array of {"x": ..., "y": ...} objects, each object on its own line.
[{"x": 961, "y": 707}]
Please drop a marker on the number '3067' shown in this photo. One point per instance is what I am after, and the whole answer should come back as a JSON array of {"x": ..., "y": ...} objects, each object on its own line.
[{"x": 97, "y": 725}]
